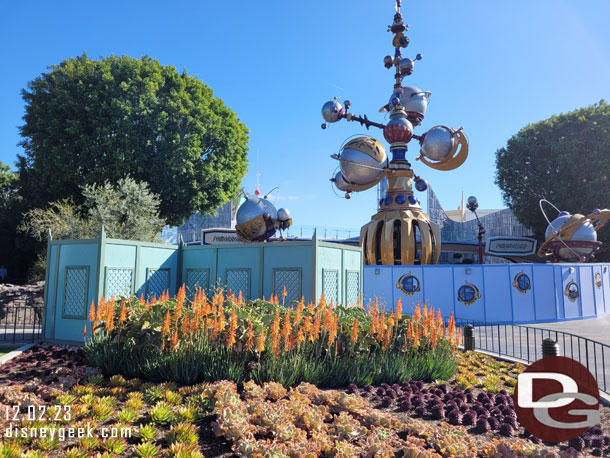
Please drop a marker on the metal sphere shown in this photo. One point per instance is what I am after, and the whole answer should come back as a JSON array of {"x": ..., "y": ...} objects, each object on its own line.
[
  {"x": 398, "y": 130},
  {"x": 253, "y": 208},
  {"x": 332, "y": 111},
  {"x": 340, "y": 182},
  {"x": 438, "y": 143},
  {"x": 283, "y": 214},
  {"x": 388, "y": 61},
  {"x": 585, "y": 233},
  {"x": 414, "y": 100},
  {"x": 406, "y": 66},
  {"x": 421, "y": 185},
  {"x": 472, "y": 201},
  {"x": 363, "y": 160}
]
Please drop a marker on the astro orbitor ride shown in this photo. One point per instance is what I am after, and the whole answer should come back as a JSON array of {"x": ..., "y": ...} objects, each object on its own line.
[{"x": 393, "y": 234}]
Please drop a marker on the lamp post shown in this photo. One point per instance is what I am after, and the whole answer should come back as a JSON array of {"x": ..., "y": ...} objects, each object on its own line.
[{"x": 472, "y": 205}]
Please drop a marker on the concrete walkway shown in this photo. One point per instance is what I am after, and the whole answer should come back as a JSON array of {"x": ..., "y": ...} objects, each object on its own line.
[{"x": 597, "y": 329}]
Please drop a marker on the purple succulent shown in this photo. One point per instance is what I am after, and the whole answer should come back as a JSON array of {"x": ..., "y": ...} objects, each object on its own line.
[
  {"x": 606, "y": 440},
  {"x": 455, "y": 417},
  {"x": 482, "y": 425},
  {"x": 380, "y": 391},
  {"x": 510, "y": 421},
  {"x": 420, "y": 411},
  {"x": 480, "y": 410},
  {"x": 493, "y": 423},
  {"x": 391, "y": 393},
  {"x": 369, "y": 388},
  {"x": 595, "y": 430},
  {"x": 597, "y": 452},
  {"x": 385, "y": 386},
  {"x": 507, "y": 430},
  {"x": 405, "y": 405},
  {"x": 469, "y": 418},
  {"x": 386, "y": 401},
  {"x": 437, "y": 412},
  {"x": 577, "y": 444}
]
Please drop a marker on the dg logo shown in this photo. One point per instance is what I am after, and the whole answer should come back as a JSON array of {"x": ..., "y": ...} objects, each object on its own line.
[{"x": 557, "y": 399}]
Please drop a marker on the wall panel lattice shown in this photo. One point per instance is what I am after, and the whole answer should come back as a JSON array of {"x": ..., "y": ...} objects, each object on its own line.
[
  {"x": 75, "y": 292},
  {"x": 291, "y": 279},
  {"x": 197, "y": 278},
  {"x": 118, "y": 281},
  {"x": 352, "y": 287},
  {"x": 330, "y": 285},
  {"x": 238, "y": 280},
  {"x": 157, "y": 281}
]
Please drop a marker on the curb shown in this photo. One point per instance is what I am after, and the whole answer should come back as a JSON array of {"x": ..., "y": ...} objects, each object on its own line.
[{"x": 15, "y": 353}]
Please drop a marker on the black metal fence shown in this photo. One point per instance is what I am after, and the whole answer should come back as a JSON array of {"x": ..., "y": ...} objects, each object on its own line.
[
  {"x": 524, "y": 343},
  {"x": 20, "y": 322}
]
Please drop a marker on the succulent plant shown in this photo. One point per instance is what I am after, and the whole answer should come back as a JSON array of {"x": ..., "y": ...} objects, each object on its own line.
[
  {"x": 114, "y": 445},
  {"x": 162, "y": 414},
  {"x": 482, "y": 425},
  {"x": 577, "y": 443},
  {"x": 147, "y": 450}
]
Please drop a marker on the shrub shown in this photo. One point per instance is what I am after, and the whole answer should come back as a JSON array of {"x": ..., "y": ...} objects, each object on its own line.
[{"x": 225, "y": 338}]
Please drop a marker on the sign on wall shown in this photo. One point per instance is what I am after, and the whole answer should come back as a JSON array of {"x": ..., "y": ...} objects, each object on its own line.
[
  {"x": 510, "y": 246},
  {"x": 216, "y": 236}
]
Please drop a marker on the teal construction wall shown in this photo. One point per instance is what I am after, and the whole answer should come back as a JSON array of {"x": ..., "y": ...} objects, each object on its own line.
[{"x": 81, "y": 271}]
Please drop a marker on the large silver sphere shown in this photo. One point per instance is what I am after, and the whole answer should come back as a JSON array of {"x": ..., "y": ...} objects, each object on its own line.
[
  {"x": 332, "y": 111},
  {"x": 472, "y": 200},
  {"x": 283, "y": 214},
  {"x": 438, "y": 143},
  {"x": 253, "y": 208},
  {"x": 363, "y": 160},
  {"x": 414, "y": 100},
  {"x": 585, "y": 233},
  {"x": 340, "y": 182}
]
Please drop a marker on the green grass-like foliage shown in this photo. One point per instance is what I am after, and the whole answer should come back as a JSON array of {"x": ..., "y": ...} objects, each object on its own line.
[{"x": 159, "y": 341}]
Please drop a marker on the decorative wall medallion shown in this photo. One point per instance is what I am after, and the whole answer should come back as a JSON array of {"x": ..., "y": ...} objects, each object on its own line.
[
  {"x": 468, "y": 294},
  {"x": 522, "y": 282},
  {"x": 408, "y": 284},
  {"x": 598, "y": 280},
  {"x": 572, "y": 291}
]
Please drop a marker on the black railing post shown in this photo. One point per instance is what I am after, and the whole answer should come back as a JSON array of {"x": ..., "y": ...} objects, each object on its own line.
[
  {"x": 469, "y": 342},
  {"x": 549, "y": 348}
]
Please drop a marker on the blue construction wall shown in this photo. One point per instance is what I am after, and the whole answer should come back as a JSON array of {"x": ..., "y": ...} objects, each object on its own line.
[
  {"x": 82, "y": 271},
  {"x": 551, "y": 292}
]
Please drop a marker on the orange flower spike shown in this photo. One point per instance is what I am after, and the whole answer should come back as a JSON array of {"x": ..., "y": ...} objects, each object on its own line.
[
  {"x": 307, "y": 325},
  {"x": 300, "y": 336},
  {"x": 310, "y": 307},
  {"x": 410, "y": 331},
  {"x": 332, "y": 331},
  {"x": 299, "y": 314},
  {"x": 264, "y": 300},
  {"x": 316, "y": 326},
  {"x": 110, "y": 320},
  {"x": 284, "y": 293},
  {"x": 85, "y": 332},
  {"x": 173, "y": 343},
  {"x": 354, "y": 333},
  {"x": 186, "y": 325},
  {"x": 181, "y": 296},
  {"x": 286, "y": 328},
  {"x": 240, "y": 299},
  {"x": 123, "y": 314},
  {"x": 439, "y": 318},
  {"x": 166, "y": 324},
  {"x": 387, "y": 338},
  {"x": 221, "y": 318},
  {"x": 94, "y": 328},
  {"x": 148, "y": 306},
  {"x": 142, "y": 301},
  {"x": 260, "y": 341},
  {"x": 322, "y": 301},
  {"x": 232, "y": 328},
  {"x": 250, "y": 337},
  {"x": 398, "y": 309},
  {"x": 101, "y": 309},
  {"x": 425, "y": 311},
  {"x": 417, "y": 313},
  {"x": 92, "y": 312}
]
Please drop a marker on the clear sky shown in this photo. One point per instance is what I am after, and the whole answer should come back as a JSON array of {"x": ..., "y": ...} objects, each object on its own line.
[{"x": 492, "y": 67}]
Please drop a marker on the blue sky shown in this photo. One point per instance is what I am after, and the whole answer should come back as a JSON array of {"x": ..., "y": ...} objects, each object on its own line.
[{"x": 492, "y": 67}]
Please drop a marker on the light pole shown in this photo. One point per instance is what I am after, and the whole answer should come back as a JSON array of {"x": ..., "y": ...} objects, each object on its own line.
[{"x": 472, "y": 205}]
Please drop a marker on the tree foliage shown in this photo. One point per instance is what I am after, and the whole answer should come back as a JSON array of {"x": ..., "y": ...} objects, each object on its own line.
[
  {"x": 127, "y": 211},
  {"x": 90, "y": 121},
  {"x": 564, "y": 159},
  {"x": 8, "y": 178}
]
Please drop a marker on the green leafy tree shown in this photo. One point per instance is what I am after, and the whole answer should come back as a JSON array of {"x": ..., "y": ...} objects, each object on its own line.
[
  {"x": 89, "y": 121},
  {"x": 564, "y": 159},
  {"x": 128, "y": 211},
  {"x": 8, "y": 178}
]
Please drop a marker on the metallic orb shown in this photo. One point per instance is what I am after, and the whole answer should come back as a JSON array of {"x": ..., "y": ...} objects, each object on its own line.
[
  {"x": 363, "y": 160},
  {"x": 415, "y": 100},
  {"x": 340, "y": 182},
  {"x": 399, "y": 129},
  {"x": 472, "y": 201},
  {"x": 438, "y": 143},
  {"x": 283, "y": 214},
  {"x": 388, "y": 61},
  {"x": 406, "y": 66},
  {"x": 421, "y": 185},
  {"x": 250, "y": 217},
  {"x": 585, "y": 233},
  {"x": 332, "y": 111}
]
